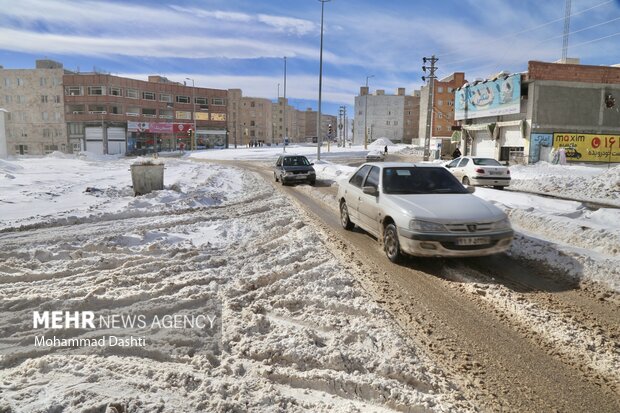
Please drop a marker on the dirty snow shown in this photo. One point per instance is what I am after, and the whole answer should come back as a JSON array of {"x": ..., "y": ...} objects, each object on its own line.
[{"x": 298, "y": 333}]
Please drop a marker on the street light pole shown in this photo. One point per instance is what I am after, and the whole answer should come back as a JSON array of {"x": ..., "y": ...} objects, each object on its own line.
[
  {"x": 193, "y": 142},
  {"x": 319, "y": 140},
  {"x": 366, "y": 112},
  {"x": 284, "y": 115}
]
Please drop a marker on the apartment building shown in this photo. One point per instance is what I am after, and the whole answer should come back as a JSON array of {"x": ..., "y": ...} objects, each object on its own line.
[
  {"x": 34, "y": 121},
  {"x": 249, "y": 120},
  {"x": 285, "y": 121},
  {"x": 385, "y": 116},
  {"x": 113, "y": 115},
  {"x": 442, "y": 114},
  {"x": 308, "y": 118}
]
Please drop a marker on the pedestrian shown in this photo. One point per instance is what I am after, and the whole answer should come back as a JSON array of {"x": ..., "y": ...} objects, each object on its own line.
[
  {"x": 385, "y": 149},
  {"x": 456, "y": 153}
]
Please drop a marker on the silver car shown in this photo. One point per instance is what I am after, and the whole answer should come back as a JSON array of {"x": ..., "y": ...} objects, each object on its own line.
[
  {"x": 474, "y": 170},
  {"x": 422, "y": 210}
]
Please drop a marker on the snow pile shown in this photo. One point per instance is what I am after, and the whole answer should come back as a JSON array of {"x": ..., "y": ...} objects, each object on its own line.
[
  {"x": 53, "y": 190},
  {"x": 585, "y": 183},
  {"x": 381, "y": 142},
  {"x": 298, "y": 332}
]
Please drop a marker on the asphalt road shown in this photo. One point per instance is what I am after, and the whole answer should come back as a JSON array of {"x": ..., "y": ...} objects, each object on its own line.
[{"x": 454, "y": 310}]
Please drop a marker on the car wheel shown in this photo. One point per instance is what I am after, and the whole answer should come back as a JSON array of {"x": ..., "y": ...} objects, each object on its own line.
[
  {"x": 390, "y": 243},
  {"x": 501, "y": 188},
  {"x": 275, "y": 176},
  {"x": 344, "y": 217},
  {"x": 465, "y": 180}
]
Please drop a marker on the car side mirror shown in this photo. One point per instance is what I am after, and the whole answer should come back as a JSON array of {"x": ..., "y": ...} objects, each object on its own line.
[
  {"x": 311, "y": 163},
  {"x": 370, "y": 190},
  {"x": 471, "y": 189}
]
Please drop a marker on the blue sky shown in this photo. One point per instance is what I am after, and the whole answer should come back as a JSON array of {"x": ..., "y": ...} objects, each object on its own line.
[{"x": 241, "y": 43}]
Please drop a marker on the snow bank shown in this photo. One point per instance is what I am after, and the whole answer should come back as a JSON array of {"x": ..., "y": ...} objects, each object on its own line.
[
  {"x": 381, "y": 142},
  {"x": 298, "y": 333}
]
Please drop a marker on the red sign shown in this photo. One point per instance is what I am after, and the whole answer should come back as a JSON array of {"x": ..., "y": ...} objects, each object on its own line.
[{"x": 182, "y": 127}]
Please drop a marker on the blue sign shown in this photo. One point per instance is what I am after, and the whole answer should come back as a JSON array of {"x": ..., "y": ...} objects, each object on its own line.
[{"x": 489, "y": 98}]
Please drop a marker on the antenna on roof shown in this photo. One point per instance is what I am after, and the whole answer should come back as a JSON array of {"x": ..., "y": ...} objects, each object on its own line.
[{"x": 566, "y": 29}]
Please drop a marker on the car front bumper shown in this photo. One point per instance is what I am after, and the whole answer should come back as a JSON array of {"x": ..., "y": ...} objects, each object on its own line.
[
  {"x": 449, "y": 245},
  {"x": 289, "y": 178}
]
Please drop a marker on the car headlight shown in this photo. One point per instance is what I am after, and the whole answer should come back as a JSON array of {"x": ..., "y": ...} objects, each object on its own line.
[
  {"x": 502, "y": 224},
  {"x": 425, "y": 226}
]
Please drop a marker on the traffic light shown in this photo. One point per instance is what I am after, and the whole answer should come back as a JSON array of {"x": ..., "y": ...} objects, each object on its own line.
[{"x": 329, "y": 129}]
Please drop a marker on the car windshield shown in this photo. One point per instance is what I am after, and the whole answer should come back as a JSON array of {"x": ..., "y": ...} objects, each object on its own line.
[
  {"x": 296, "y": 161},
  {"x": 420, "y": 180},
  {"x": 486, "y": 162}
]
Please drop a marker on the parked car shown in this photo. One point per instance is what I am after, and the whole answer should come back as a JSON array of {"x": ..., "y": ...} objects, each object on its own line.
[
  {"x": 421, "y": 210},
  {"x": 474, "y": 170},
  {"x": 294, "y": 168},
  {"x": 375, "y": 156}
]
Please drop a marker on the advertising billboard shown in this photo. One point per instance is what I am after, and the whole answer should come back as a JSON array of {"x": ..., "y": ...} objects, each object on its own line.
[
  {"x": 489, "y": 98},
  {"x": 583, "y": 147}
]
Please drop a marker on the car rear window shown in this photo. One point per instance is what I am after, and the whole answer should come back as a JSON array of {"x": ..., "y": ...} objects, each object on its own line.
[
  {"x": 486, "y": 162},
  {"x": 416, "y": 180},
  {"x": 296, "y": 161}
]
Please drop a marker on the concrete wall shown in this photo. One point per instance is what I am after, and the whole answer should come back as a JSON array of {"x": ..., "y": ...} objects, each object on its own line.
[{"x": 385, "y": 117}]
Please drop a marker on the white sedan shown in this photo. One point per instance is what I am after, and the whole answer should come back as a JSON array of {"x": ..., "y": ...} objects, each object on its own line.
[
  {"x": 474, "y": 170},
  {"x": 421, "y": 210}
]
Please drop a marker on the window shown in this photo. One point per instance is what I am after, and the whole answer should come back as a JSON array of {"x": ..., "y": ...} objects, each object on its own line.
[
  {"x": 149, "y": 112},
  {"x": 116, "y": 109},
  {"x": 373, "y": 178},
  {"x": 202, "y": 101},
  {"x": 46, "y": 133},
  {"x": 57, "y": 99},
  {"x": 96, "y": 90},
  {"x": 75, "y": 109},
  {"x": 7, "y": 82},
  {"x": 387, "y": 122},
  {"x": 252, "y": 104},
  {"x": 8, "y": 99},
  {"x": 42, "y": 81},
  {"x": 440, "y": 102},
  {"x": 43, "y": 98},
  {"x": 183, "y": 99},
  {"x": 75, "y": 128},
  {"x": 395, "y": 123},
  {"x": 166, "y": 114},
  {"x": 45, "y": 116},
  {"x": 440, "y": 89},
  {"x": 57, "y": 116},
  {"x": 20, "y": 82},
  {"x": 450, "y": 103},
  {"x": 218, "y": 101},
  {"x": 97, "y": 109},
  {"x": 132, "y": 93},
  {"x": 74, "y": 91},
  {"x": 359, "y": 176},
  {"x": 20, "y": 99},
  {"x": 183, "y": 115},
  {"x": 116, "y": 91},
  {"x": 148, "y": 95},
  {"x": 77, "y": 147},
  {"x": 133, "y": 110},
  {"x": 164, "y": 97},
  {"x": 21, "y": 149},
  {"x": 464, "y": 162},
  {"x": 440, "y": 115},
  {"x": 252, "y": 123},
  {"x": 50, "y": 148}
]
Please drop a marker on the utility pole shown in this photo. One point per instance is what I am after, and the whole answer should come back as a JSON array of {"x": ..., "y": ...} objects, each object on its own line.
[
  {"x": 284, "y": 116},
  {"x": 341, "y": 125},
  {"x": 431, "y": 100},
  {"x": 365, "y": 112},
  {"x": 319, "y": 140}
]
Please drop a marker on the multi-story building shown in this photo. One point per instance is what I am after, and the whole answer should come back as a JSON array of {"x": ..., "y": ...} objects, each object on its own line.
[
  {"x": 522, "y": 117},
  {"x": 442, "y": 114},
  {"x": 384, "y": 116},
  {"x": 309, "y": 119},
  {"x": 411, "y": 120},
  {"x": 34, "y": 117},
  {"x": 111, "y": 115},
  {"x": 284, "y": 127},
  {"x": 249, "y": 120}
]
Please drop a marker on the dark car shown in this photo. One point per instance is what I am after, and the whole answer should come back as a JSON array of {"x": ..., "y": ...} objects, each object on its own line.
[{"x": 294, "y": 168}]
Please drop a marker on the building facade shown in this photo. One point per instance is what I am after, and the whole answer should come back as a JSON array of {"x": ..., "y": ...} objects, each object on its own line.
[
  {"x": 442, "y": 114},
  {"x": 249, "y": 120},
  {"x": 34, "y": 104},
  {"x": 522, "y": 117},
  {"x": 114, "y": 115}
]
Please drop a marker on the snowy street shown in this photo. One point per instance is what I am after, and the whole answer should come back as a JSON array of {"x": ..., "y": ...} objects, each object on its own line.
[{"x": 310, "y": 318}]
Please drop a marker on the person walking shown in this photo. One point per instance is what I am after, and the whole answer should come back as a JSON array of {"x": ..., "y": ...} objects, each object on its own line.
[{"x": 456, "y": 153}]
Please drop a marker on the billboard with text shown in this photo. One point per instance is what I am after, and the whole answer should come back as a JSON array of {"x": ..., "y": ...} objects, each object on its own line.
[{"x": 489, "y": 98}]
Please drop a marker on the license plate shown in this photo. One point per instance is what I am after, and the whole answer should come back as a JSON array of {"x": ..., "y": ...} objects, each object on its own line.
[
  {"x": 473, "y": 241},
  {"x": 300, "y": 176}
]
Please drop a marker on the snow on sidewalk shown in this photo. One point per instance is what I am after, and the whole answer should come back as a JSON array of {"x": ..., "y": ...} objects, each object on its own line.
[{"x": 298, "y": 332}]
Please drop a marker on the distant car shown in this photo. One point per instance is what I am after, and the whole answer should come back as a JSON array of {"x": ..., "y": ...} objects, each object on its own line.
[
  {"x": 375, "y": 156},
  {"x": 294, "y": 168},
  {"x": 478, "y": 171},
  {"x": 421, "y": 210}
]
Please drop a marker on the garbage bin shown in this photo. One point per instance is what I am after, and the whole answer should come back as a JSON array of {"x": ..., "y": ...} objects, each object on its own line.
[{"x": 147, "y": 177}]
